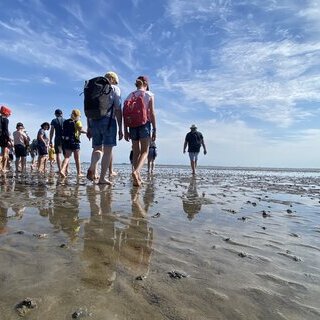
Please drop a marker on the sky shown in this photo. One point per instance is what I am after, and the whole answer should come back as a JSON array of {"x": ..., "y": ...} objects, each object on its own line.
[{"x": 246, "y": 72}]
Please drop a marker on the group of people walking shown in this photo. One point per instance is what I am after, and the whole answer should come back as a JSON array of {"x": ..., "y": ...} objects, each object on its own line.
[
  {"x": 64, "y": 135},
  {"x": 107, "y": 120}
]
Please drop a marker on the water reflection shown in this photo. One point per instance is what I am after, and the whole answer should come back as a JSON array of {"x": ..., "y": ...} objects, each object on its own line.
[
  {"x": 191, "y": 201},
  {"x": 112, "y": 242},
  {"x": 100, "y": 239},
  {"x": 64, "y": 212},
  {"x": 137, "y": 237}
]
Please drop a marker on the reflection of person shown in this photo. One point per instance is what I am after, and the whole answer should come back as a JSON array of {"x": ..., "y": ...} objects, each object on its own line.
[
  {"x": 194, "y": 140},
  {"x": 100, "y": 239},
  {"x": 152, "y": 156},
  {"x": 103, "y": 132},
  {"x": 136, "y": 239},
  {"x": 140, "y": 136},
  {"x": 191, "y": 201},
  {"x": 56, "y": 130},
  {"x": 62, "y": 217}
]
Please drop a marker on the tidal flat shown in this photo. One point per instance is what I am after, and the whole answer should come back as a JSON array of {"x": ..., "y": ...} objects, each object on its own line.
[{"x": 224, "y": 244}]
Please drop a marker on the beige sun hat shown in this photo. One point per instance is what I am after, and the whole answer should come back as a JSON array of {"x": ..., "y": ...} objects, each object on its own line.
[{"x": 112, "y": 75}]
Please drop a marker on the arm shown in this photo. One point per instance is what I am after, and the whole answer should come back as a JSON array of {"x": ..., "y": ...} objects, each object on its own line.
[
  {"x": 89, "y": 135},
  {"x": 185, "y": 146},
  {"x": 51, "y": 134},
  {"x": 153, "y": 118},
  {"x": 204, "y": 147},
  {"x": 118, "y": 113}
]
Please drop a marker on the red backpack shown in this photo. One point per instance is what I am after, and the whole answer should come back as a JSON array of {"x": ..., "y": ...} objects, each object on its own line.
[{"x": 135, "y": 112}]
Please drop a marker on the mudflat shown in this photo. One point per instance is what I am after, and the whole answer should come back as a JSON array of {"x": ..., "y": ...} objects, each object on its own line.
[{"x": 224, "y": 244}]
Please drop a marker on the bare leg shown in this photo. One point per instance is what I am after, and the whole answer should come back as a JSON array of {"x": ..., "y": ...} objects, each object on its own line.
[
  {"x": 58, "y": 159},
  {"x": 17, "y": 164},
  {"x": 144, "y": 149},
  {"x": 76, "y": 155},
  {"x": 193, "y": 166},
  {"x": 65, "y": 162},
  {"x": 105, "y": 163},
  {"x": 23, "y": 164},
  {"x": 95, "y": 158}
]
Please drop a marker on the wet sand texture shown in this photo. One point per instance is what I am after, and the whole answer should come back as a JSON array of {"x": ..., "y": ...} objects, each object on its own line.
[{"x": 226, "y": 244}]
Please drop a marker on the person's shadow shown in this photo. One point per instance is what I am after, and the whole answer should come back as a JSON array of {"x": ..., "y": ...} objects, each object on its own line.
[
  {"x": 191, "y": 201},
  {"x": 137, "y": 238},
  {"x": 100, "y": 239}
]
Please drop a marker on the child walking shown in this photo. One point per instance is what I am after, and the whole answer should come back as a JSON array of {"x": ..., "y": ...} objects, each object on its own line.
[{"x": 72, "y": 129}]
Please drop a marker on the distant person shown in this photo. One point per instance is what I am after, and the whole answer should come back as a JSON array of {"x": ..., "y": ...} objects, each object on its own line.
[
  {"x": 21, "y": 142},
  {"x": 152, "y": 156},
  {"x": 56, "y": 131},
  {"x": 138, "y": 128},
  {"x": 72, "y": 129},
  {"x": 52, "y": 156},
  {"x": 33, "y": 150},
  {"x": 42, "y": 146},
  {"x": 194, "y": 140},
  {"x": 5, "y": 140},
  {"x": 103, "y": 118}
]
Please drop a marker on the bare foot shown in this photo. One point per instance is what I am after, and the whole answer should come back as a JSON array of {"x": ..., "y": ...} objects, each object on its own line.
[
  {"x": 105, "y": 181},
  {"x": 136, "y": 180},
  {"x": 113, "y": 174},
  {"x": 90, "y": 175},
  {"x": 62, "y": 174}
]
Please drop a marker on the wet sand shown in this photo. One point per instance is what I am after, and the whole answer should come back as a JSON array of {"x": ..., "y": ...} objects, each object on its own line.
[{"x": 225, "y": 244}]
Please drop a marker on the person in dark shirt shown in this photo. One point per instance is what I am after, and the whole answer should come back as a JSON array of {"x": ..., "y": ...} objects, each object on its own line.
[
  {"x": 56, "y": 130},
  {"x": 5, "y": 140},
  {"x": 194, "y": 140}
]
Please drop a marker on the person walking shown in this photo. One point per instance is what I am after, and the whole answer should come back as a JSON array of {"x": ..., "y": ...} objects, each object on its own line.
[
  {"x": 5, "y": 140},
  {"x": 102, "y": 128},
  {"x": 71, "y": 131},
  {"x": 152, "y": 156},
  {"x": 21, "y": 142},
  {"x": 194, "y": 140},
  {"x": 42, "y": 145},
  {"x": 56, "y": 131},
  {"x": 139, "y": 115}
]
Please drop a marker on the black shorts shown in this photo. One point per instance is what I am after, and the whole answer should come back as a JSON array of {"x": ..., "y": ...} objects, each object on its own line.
[
  {"x": 20, "y": 150},
  {"x": 42, "y": 149},
  {"x": 71, "y": 145},
  {"x": 4, "y": 141},
  {"x": 58, "y": 146}
]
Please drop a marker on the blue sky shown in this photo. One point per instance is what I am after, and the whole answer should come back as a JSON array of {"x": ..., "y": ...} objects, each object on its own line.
[{"x": 245, "y": 72}]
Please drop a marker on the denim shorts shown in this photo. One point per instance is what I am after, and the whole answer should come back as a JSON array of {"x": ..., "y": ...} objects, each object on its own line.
[
  {"x": 101, "y": 134},
  {"x": 193, "y": 156},
  {"x": 140, "y": 132}
]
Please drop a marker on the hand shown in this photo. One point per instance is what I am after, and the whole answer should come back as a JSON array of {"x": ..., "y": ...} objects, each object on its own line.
[
  {"x": 126, "y": 135},
  {"x": 120, "y": 135},
  {"x": 204, "y": 152},
  {"x": 154, "y": 135},
  {"x": 184, "y": 151},
  {"x": 89, "y": 134}
]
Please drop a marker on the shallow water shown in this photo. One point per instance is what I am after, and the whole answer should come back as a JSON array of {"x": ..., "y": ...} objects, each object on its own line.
[{"x": 248, "y": 241}]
